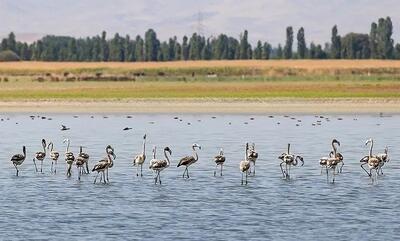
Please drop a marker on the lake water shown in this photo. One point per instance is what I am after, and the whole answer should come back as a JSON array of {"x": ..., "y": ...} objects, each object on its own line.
[{"x": 47, "y": 206}]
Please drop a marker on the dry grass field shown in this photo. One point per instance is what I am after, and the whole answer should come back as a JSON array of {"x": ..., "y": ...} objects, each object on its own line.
[{"x": 201, "y": 79}]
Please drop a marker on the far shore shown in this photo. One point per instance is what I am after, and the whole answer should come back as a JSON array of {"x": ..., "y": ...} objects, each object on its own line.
[{"x": 224, "y": 106}]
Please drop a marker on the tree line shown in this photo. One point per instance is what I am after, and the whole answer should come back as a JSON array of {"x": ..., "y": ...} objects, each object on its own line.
[{"x": 378, "y": 44}]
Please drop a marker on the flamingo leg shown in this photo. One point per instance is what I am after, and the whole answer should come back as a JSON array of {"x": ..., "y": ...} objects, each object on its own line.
[
  {"x": 159, "y": 177},
  {"x": 34, "y": 162},
  {"x": 215, "y": 171},
  {"x": 254, "y": 169},
  {"x": 41, "y": 165},
  {"x": 221, "y": 169},
  {"x": 104, "y": 175},
  {"x": 187, "y": 172},
  {"x": 55, "y": 167},
  {"x": 79, "y": 174},
  {"x": 242, "y": 179},
  {"x": 51, "y": 169},
  {"x": 247, "y": 173},
  {"x": 362, "y": 166},
  {"x": 327, "y": 175},
  {"x": 107, "y": 175},
  {"x": 96, "y": 178},
  {"x": 137, "y": 170},
  {"x": 141, "y": 170},
  {"x": 16, "y": 169},
  {"x": 283, "y": 172},
  {"x": 341, "y": 167},
  {"x": 87, "y": 167}
]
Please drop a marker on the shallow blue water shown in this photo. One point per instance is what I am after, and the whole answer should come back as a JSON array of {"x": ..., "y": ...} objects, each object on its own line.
[{"x": 48, "y": 206}]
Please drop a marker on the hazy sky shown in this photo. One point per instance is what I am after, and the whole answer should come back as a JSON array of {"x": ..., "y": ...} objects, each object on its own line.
[{"x": 265, "y": 19}]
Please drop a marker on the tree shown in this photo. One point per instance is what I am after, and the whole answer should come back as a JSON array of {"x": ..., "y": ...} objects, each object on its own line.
[
  {"x": 266, "y": 51},
  {"x": 336, "y": 44},
  {"x": 139, "y": 49},
  {"x": 244, "y": 46},
  {"x": 301, "y": 44},
  {"x": 185, "y": 48},
  {"x": 355, "y": 46},
  {"x": 373, "y": 41},
  {"x": 104, "y": 53},
  {"x": 279, "y": 52},
  {"x": 384, "y": 38},
  {"x": 288, "y": 51},
  {"x": 151, "y": 44},
  {"x": 258, "y": 51},
  {"x": 11, "y": 42},
  {"x": 117, "y": 49}
]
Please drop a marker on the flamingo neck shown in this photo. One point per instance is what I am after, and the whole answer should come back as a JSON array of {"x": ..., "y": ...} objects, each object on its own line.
[
  {"x": 370, "y": 149},
  {"x": 144, "y": 146},
  {"x": 166, "y": 157}
]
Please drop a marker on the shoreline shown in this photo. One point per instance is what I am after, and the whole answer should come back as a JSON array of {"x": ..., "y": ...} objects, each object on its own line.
[{"x": 224, "y": 106}]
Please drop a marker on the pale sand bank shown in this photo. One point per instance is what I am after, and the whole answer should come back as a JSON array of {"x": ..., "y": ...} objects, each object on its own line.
[{"x": 306, "y": 106}]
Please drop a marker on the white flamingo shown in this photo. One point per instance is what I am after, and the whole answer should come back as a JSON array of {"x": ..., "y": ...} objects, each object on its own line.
[
  {"x": 54, "y": 155},
  {"x": 252, "y": 156},
  {"x": 245, "y": 164},
  {"x": 139, "y": 159}
]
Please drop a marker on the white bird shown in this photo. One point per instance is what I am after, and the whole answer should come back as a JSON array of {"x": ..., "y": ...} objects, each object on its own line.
[
  {"x": 245, "y": 164},
  {"x": 383, "y": 157},
  {"x": 159, "y": 165},
  {"x": 18, "y": 159},
  {"x": 40, "y": 156},
  {"x": 219, "y": 161},
  {"x": 189, "y": 160},
  {"x": 139, "y": 159},
  {"x": 372, "y": 161},
  {"x": 252, "y": 156},
  {"x": 54, "y": 155}
]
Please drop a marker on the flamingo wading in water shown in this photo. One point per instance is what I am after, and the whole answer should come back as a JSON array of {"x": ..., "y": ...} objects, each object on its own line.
[
  {"x": 103, "y": 164},
  {"x": 54, "y": 155},
  {"x": 18, "y": 159},
  {"x": 189, "y": 160},
  {"x": 219, "y": 161},
  {"x": 245, "y": 164},
  {"x": 40, "y": 156},
  {"x": 139, "y": 159},
  {"x": 159, "y": 165}
]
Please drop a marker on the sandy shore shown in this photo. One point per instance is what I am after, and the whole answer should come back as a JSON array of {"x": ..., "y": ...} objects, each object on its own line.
[{"x": 306, "y": 106}]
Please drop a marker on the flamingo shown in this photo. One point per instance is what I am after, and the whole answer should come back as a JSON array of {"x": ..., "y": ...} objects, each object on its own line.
[
  {"x": 85, "y": 159},
  {"x": 69, "y": 157},
  {"x": 139, "y": 159},
  {"x": 54, "y": 155},
  {"x": 245, "y": 164},
  {"x": 40, "y": 156},
  {"x": 219, "y": 161},
  {"x": 289, "y": 160},
  {"x": 159, "y": 165},
  {"x": 252, "y": 156},
  {"x": 103, "y": 164},
  {"x": 384, "y": 157},
  {"x": 189, "y": 160},
  {"x": 334, "y": 159},
  {"x": 18, "y": 159},
  {"x": 372, "y": 161}
]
